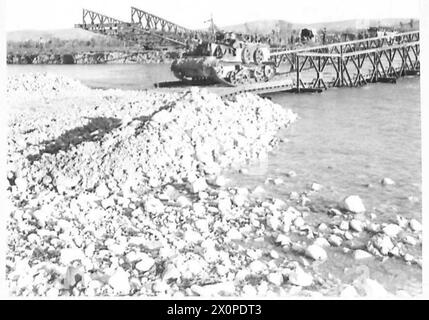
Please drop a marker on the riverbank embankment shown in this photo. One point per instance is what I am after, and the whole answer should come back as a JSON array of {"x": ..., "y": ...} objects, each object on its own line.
[{"x": 119, "y": 192}]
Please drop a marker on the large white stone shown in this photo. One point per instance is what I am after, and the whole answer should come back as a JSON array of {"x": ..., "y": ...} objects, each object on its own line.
[
  {"x": 316, "y": 252},
  {"x": 198, "y": 185},
  {"x": 145, "y": 264},
  {"x": 276, "y": 278},
  {"x": 354, "y": 204},
  {"x": 119, "y": 281},
  {"x": 387, "y": 182},
  {"x": 300, "y": 278},
  {"x": 392, "y": 230},
  {"x": 361, "y": 254},
  {"x": 415, "y": 225},
  {"x": 356, "y": 225}
]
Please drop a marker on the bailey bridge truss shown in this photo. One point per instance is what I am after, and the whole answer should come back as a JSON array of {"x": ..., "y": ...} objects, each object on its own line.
[
  {"x": 144, "y": 28},
  {"x": 352, "y": 63}
]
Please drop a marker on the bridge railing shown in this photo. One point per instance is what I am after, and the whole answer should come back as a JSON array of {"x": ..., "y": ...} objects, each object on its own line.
[
  {"x": 355, "y": 68},
  {"x": 375, "y": 42},
  {"x": 340, "y": 48}
]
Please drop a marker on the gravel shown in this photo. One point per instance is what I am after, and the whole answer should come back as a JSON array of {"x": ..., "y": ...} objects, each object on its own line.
[{"x": 121, "y": 193}]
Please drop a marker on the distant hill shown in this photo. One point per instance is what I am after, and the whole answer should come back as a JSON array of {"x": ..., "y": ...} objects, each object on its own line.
[
  {"x": 63, "y": 34},
  {"x": 261, "y": 27},
  {"x": 266, "y": 26}
]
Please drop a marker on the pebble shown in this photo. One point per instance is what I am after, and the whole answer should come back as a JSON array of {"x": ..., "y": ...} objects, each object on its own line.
[
  {"x": 145, "y": 264},
  {"x": 119, "y": 281},
  {"x": 283, "y": 240},
  {"x": 316, "y": 187},
  {"x": 294, "y": 195},
  {"x": 334, "y": 212},
  {"x": 291, "y": 174},
  {"x": 184, "y": 202},
  {"x": 239, "y": 200},
  {"x": 321, "y": 242},
  {"x": 298, "y": 222},
  {"x": 198, "y": 185},
  {"x": 348, "y": 235},
  {"x": 274, "y": 254},
  {"x": 273, "y": 222},
  {"x": 276, "y": 278},
  {"x": 170, "y": 272},
  {"x": 316, "y": 252},
  {"x": 410, "y": 240},
  {"x": 353, "y": 204},
  {"x": 278, "y": 181},
  {"x": 335, "y": 240},
  {"x": 387, "y": 182},
  {"x": 408, "y": 257},
  {"x": 361, "y": 254},
  {"x": 415, "y": 225},
  {"x": 392, "y": 230},
  {"x": 383, "y": 243},
  {"x": 322, "y": 227},
  {"x": 220, "y": 181},
  {"x": 300, "y": 278},
  {"x": 344, "y": 225},
  {"x": 356, "y": 225},
  {"x": 258, "y": 190}
]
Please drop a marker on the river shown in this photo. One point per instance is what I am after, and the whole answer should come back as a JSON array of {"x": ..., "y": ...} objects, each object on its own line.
[{"x": 346, "y": 139}]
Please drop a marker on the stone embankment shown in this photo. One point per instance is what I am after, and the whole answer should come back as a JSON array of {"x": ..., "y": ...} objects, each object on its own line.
[{"x": 121, "y": 193}]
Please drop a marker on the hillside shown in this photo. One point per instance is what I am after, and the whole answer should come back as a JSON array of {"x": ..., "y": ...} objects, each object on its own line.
[
  {"x": 266, "y": 26},
  {"x": 63, "y": 34},
  {"x": 261, "y": 26}
]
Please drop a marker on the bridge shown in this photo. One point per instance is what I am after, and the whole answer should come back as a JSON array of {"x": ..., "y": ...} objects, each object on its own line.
[
  {"x": 342, "y": 64},
  {"x": 144, "y": 28},
  {"x": 352, "y": 63}
]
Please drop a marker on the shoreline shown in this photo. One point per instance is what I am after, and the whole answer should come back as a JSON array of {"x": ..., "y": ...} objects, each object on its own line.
[{"x": 253, "y": 245}]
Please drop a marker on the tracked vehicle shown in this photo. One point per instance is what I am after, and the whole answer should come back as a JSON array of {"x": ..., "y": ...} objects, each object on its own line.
[{"x": 228, "y": 60}]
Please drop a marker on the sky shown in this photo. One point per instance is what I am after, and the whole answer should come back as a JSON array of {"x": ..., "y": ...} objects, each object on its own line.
[{"x": 60, "y": 14}]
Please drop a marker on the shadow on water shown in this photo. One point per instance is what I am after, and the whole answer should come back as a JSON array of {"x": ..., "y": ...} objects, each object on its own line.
[{"x": 95, "y": 130}]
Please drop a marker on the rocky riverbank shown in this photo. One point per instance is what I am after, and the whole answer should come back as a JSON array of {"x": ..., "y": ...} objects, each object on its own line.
[
  {"x": 118, "y": 57},
  {"x": 122, "y": 193}
]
